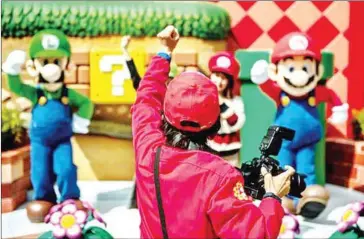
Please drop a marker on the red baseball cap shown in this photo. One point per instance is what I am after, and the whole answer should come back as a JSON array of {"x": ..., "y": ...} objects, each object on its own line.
[
  {"x": 295, "y": 44},
  {"x": 225, "y": 62},
  {"x": 191, "y": 102}
]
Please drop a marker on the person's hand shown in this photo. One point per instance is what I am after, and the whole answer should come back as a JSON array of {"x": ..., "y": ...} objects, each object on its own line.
[
  {"x": 259, "y": 72},
  {"x": 169, "y": 38},
  {"x": 14, "y": 62},
  {"x": 280, "y": 184},
  {"x": 125, "y": 42}
]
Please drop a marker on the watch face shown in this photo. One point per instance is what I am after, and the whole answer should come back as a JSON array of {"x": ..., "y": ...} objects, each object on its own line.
[{"x": 223, "y": 107}]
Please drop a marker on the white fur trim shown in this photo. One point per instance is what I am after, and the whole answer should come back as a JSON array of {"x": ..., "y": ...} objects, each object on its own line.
[
  {"x": 237, "y": 106},
  {"x": 298, "y": 42},
  {"x": 223, "y": 62},
  {"x": 224, "y": 147}
]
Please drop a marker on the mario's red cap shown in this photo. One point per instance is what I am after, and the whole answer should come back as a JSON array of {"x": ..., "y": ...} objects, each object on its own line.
[
  {"x": 225, "y": 62},
  {"x": 295, "y": 44},
  {"x": 191, "y": 102}
]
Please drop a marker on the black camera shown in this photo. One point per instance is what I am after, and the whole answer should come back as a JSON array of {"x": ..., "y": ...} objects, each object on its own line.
[{"x": 270, "y": 145}]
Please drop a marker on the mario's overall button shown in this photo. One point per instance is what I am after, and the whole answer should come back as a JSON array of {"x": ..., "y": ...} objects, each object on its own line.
[
  {"x": 65, "y": 100},
  {"x": 312, "y": 101},
  {"x": 285, "y": 100}
]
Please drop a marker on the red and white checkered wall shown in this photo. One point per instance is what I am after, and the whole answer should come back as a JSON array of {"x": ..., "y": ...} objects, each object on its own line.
[{"x": 260, "y": 24}]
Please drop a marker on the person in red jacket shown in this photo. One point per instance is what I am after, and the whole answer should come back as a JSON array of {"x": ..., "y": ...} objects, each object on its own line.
[{"x": 183, "y": 190}]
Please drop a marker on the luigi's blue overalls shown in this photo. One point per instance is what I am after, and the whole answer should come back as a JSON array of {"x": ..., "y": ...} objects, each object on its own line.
[
  {"x": 302, "y": 116},
  {"x": 51, "y": 150}
]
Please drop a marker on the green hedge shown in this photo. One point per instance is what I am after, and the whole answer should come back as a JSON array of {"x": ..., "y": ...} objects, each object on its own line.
[{"x": 92, "y": 19}]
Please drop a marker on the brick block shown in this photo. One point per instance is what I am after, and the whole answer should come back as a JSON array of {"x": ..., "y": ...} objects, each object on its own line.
[
  {"x": 360, "y": 174},
  {"x": 11, "y": 189},
  {"x": 192, "y": 68},
  {"x": 11, "y": 203},
  {"x": 81, "y": 56},
  {"x": 12, "y": 164},
  {"x": 80, "y": 88},
  {"x": 26, "y": 165},
  {"x": 185, "y": 59},
  {"x": 71, "y": 76},
  {"x": 345, "y": 150},
  {"x": 83, "y": 75}
]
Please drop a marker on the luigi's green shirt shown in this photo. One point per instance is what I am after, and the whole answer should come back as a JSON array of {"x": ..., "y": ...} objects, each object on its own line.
[{"x": 82, "y": 103}]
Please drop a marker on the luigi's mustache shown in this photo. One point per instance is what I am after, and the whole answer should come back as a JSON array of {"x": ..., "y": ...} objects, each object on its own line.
[
  {"x": 288, "y": 81},
  {"x": 44, "y": 81}
]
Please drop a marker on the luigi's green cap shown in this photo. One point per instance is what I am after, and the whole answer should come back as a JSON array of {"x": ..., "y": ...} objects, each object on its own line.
[{"x": 49, "y": 43}]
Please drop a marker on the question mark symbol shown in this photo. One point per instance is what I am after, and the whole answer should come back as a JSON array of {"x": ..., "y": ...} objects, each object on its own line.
[{"x": 118, "y": 77}]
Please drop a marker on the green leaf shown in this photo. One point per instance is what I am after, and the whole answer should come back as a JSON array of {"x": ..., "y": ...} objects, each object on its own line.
[
  {"x": 96, "y": 233},
  {"x": 47, "y": 235}
]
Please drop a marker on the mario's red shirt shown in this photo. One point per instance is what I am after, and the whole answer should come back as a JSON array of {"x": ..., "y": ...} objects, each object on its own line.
[{"x": 202, "y": 194}]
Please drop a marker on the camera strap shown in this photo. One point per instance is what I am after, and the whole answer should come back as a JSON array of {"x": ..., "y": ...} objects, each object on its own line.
[{"x": 159, "y": 195}]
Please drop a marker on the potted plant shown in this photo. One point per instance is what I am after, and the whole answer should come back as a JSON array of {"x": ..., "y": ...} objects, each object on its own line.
[
  {"x": 345, "y": 157},
  {"x": 15, "y": 156}
]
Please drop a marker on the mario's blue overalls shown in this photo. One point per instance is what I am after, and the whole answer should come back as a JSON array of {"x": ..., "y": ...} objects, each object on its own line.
[
  {"x": 51, "y": 150},
  {"x": 302, "y": 116}
]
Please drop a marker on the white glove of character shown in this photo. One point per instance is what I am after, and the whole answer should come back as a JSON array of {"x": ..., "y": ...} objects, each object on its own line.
[
  {"x": 259, "y": 72},
  {"x": 80, "y": 125},
  {"x": 339, "y": 114},
  {"x": 13, "y": 63}
]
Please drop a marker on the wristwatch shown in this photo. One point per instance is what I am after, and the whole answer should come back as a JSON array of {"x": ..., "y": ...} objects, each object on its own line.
[{"x": 272, "y": 195}]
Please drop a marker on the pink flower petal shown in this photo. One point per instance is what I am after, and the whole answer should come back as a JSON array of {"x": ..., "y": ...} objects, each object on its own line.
[
  {"x": 55, "y": 208},
  {"x": 69, "y": 209},
  {"x": 357, "y": 206},
  {"x": 47, "y": 218},
  {"x": 288, "y": 234},
  {"x": 88, "y": 206},
  {"x": 98, "y": 217},
  {"x": 81, "y": 217},
  {"x": 68, "y": 201},
  {"x": 74, "y": 232},
  {"x": 56, "y": 218},
  {"x": 342, "y": 226},
  {"x": 59, "y": 232},
  {"x": 290, "y": 223}
]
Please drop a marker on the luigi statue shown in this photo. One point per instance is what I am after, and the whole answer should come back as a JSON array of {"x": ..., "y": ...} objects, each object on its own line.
[{"x": 52, "y": 123}]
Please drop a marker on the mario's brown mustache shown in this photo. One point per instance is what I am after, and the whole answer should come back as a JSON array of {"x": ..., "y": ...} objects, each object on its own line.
[{"x": 288, "y": 81}]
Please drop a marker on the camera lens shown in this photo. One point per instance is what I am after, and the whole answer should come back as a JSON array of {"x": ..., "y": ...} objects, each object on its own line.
[{"x": 298, "y": 185}]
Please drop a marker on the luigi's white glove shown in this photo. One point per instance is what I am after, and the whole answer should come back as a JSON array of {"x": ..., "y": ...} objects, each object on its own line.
[
  {"x": 80, "y": 125},
  {"x": 259, "y": 72},
  {"x": 339, "y": 114},
  {"x": 13, "y": 63}
]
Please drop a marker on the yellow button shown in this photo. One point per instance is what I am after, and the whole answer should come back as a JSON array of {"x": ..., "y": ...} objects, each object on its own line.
[
  {"x": 42, "y": 100},
  {"x": 285, "y": 100},
  {"x": 65, "y": 100},
  {"x": 312, "y": 101}
]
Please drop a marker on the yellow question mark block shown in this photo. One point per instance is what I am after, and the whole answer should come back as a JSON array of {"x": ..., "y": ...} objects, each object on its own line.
[{"x": 110, "y": 80}]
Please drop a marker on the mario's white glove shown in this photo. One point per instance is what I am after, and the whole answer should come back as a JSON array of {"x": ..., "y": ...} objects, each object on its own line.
[
  {"x": 339, "y": 114},
  {"x": 80, "y": 125},
  {"x": 259, "y": 72},
  {"x": 13, "y": 63}
]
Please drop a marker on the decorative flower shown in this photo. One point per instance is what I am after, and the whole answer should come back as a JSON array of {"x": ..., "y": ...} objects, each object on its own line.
[
  {"x": 68, "y": 221},
  {"x": 289, "y": 227},
  {"x": 350, "y": 216}
]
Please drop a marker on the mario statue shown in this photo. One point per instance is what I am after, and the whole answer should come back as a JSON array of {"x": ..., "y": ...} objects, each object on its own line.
[
  {"x": 294, "y": 74},
  {"x": 52, "y": 124},
  {"x": 225, "y": 70}
]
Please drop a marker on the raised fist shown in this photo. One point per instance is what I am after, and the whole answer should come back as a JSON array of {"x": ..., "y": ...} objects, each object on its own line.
[
  {"x": 259, "y": 72},
  {"x": 125, "y": 42},
  {"x": 169, "y": 37},
  {"x": 13, "y": 63}
]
